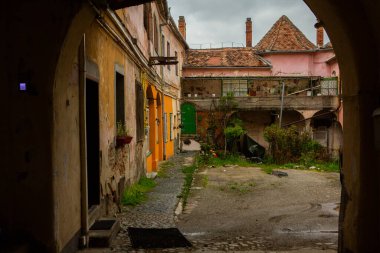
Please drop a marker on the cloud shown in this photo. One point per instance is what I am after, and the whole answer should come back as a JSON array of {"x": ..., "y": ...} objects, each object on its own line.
[{"x": 216, "y": 21}]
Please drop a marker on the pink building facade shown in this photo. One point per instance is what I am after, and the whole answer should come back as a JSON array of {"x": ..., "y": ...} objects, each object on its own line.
[{"x": 255, "y": 75}]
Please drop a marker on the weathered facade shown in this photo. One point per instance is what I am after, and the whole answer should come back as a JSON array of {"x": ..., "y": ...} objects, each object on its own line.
[
  {"x": 284, "y": 58},
  {"x": 107, "y": 83}
]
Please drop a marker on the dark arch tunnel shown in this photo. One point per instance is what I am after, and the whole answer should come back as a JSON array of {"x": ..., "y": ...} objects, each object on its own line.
[{"x": 39, "y": 47}]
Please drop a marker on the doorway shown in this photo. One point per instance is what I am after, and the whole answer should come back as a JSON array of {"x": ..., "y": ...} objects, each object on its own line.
[
  {"x": 92, "y": 143},
  {"x": 188, "y": 118}
]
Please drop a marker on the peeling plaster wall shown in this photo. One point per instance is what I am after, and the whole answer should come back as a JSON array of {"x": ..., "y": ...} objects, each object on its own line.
[{"x": 128, "y": 161}]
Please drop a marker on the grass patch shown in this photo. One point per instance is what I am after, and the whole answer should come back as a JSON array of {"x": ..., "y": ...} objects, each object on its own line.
[
  {"x": 204, "y": 181},
  {"x": 322, "y": 167},
  {"x": 136, "y": 193},
  {"x": 189, "y": 175},
  {"x": 228, "y": 160},
  {"x": 240, "y": 188},
  {"x": 163, "y": 169}
]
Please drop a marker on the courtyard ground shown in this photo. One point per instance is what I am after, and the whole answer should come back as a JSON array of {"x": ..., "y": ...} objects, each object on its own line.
[
  {"x": 243, "y": 208},
  {"x": 240, "y": 209}
]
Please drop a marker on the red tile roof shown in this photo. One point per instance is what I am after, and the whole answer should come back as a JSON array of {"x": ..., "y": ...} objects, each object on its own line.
[
  {"x": 224, "y": 57},
  {"x": 284, "y": 36}
]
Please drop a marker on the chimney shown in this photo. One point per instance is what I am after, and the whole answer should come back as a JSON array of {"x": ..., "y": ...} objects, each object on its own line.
[
  {"x": 248, "y": 33},
  {"x": 320, "y": 34},
  {"x": 182, "y": 26}
]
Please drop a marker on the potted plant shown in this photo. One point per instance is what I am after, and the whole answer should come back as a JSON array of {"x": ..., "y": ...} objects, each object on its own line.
[{"x": 122, "y": 137}]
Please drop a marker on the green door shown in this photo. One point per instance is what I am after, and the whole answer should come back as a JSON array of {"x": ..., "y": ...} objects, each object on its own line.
[{"x": 188, "y": 119}]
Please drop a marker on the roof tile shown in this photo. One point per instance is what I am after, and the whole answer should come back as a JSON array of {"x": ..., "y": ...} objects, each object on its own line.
[
  {"x": 224, "y": 57},
  {"x": 284, "y": 36}
]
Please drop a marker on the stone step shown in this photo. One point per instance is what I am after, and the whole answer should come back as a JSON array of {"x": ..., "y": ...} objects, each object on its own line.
[{"x": 102, "y": 232}]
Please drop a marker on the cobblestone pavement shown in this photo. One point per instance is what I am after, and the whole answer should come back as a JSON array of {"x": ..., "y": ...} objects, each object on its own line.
[{"x": 158, "y": 211}]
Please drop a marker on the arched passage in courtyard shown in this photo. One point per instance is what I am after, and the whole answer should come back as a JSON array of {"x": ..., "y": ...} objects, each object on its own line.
[{"x": 40, "y": 131}]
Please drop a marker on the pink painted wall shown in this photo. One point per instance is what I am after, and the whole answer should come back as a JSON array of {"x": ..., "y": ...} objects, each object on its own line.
[
  {"x": 301, "y": 64},
  {"x": 284, "y": 64},
  {"x": 320, "y": 67},
  {"x": 290, "y": 64}
]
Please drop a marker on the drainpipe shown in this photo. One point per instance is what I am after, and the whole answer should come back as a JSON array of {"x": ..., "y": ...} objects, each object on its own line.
[
  {"x": 282, "y": 102},
  {"x": 163, "y": 119},
  {"x": 83, "y": 148}
]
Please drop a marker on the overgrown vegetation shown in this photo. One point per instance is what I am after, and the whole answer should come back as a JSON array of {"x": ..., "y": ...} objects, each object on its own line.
[
  {"x": 229, "y": 159},
  {"x": 136, "y": 193},
  {"x": 240, "y": 188},
  {"x": 268, "y": 165},
  {"x": 226, "y": 106},
  {"x": 332, "y": 166},
  {"x": 233, "y": 132},
  {"x": 204, "y": 181},
  {"x": 163, "y": 169},
  {"x": 189, "y": 175},
  {"x": 288, "y": 145}
]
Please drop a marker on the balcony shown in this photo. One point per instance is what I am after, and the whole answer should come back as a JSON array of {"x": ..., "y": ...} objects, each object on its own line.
[{"x": 271, "y": 103}]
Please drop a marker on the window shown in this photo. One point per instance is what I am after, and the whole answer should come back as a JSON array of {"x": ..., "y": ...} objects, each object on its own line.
[
  {"x": 238, "y": 87},
  {"x": 162, "y": 53},
  {"x": 155, "y": 35},
  {"x": 139, "y": 111},
  {"x": 119, "y": 100},
  {"x": 171, "y": 127},
  {"x": 148, "y": 20},
  {"x": 162, "y": 45},
  {"x": 165, "y": 127},
  {"x": 176, "y": 66},
  {"x": 329, "y": 86},
  {"x": 168, "y": 52}
]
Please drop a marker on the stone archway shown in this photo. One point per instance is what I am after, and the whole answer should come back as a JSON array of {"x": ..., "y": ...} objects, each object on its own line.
[{"x": 359, "y": 228}]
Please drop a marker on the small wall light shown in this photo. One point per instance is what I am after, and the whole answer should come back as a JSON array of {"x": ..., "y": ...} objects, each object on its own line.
[{"x": 22, "y": 86}]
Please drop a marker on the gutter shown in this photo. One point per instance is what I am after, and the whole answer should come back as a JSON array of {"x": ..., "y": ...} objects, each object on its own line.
[
  {"x": 292, "y": 52},
  {"x": 272, "y": 78},
  {"x": 226, "y": 67}
]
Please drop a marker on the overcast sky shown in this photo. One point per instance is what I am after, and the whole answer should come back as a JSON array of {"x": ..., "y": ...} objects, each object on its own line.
[{"x": 216, "y": 21}]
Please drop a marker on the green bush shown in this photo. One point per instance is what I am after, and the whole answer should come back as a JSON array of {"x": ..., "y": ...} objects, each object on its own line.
[
  {"x": 288, "y": 145},
  {"x": 233, "y": 132}
]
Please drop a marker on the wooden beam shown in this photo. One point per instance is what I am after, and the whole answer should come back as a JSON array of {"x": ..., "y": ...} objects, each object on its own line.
[
  {"x": 161, "y": 60},
  {"x": 120, "y": 4}
]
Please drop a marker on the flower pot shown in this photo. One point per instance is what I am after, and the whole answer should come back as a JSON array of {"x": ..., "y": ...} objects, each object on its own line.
[{"x": 121, "y": 141}]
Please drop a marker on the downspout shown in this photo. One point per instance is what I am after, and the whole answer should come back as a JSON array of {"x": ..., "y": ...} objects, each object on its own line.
[
  {"x": 163, "y": 119},
  {"x": 83, "y": 147},
  {"x": 163, "y": 101}
]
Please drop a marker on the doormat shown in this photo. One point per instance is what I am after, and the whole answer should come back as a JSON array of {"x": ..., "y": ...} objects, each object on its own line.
[
  {"x": 102, "y": 225},
  {"x": 157, "y": 238}
]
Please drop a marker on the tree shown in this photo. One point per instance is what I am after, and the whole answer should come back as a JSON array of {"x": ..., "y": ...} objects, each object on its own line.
[
  {"x": 226, "y": 106},
  {"x": 233, "y": 132}
]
